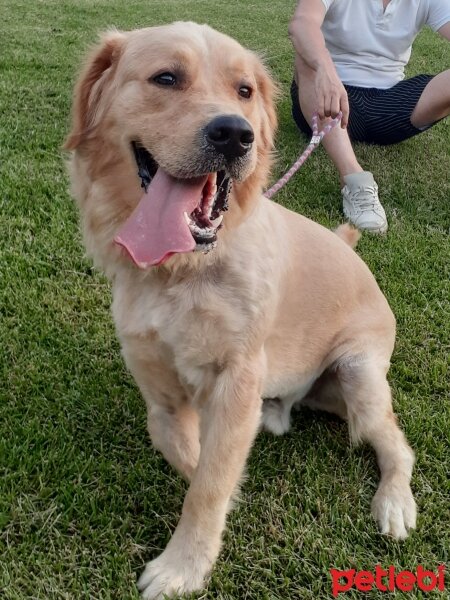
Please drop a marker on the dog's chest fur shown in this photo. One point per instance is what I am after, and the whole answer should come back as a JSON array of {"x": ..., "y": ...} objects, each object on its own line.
[{"x": 195, "y": 323}]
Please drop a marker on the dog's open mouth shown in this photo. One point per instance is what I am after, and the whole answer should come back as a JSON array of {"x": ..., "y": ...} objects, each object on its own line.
[
  {"x": 174, "y": 215},
  {"x": 206, "y": 219}
]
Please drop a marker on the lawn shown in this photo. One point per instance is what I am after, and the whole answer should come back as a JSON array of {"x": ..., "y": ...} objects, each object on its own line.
[{"x": 84, "y": 498}]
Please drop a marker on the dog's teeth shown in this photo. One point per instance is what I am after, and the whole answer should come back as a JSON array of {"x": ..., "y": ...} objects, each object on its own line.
[
  {"x": 201, "y": 231},
  {"x": 217, "y": 222},
  {"x": 210, "y": 203},
  {"x": 187, "y": 218}
]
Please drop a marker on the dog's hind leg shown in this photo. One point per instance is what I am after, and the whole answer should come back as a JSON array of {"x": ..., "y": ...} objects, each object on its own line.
[
  {"x": 276, "y": 414},
  {"x": 367, "y": 395},
  {"x": 326, "y": 395},
  {"x": 172, "y": 421}
]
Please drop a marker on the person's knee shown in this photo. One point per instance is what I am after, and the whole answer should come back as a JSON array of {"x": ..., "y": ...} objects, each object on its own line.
[
  {"x": 446, "y": 86},
  {"x": 434, "y": 103},
  {"x": 443, "y": 79}
]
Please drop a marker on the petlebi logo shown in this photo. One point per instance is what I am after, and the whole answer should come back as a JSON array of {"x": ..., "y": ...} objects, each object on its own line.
[{"x": 388, "y": 580}]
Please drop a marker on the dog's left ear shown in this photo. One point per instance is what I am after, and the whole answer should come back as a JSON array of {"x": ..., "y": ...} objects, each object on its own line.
[
  {"x": 268, "y": 93},
  {"x": 98, "y": 71}
]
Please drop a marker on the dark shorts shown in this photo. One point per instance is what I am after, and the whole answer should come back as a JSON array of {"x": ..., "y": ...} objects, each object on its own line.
[{"x": 376, "y": 116}]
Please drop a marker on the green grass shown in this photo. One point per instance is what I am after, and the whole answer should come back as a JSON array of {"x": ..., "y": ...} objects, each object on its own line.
[{"x": 84, "y": 499}]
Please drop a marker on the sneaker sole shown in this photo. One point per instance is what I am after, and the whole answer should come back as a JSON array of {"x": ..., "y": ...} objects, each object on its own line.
[{"x": 381, "y": 229}]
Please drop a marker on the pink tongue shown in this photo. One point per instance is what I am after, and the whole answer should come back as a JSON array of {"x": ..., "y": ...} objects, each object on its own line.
[{"x": 156, "y": 228}]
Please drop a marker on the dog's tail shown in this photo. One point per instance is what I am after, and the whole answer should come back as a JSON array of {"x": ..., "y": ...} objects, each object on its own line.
[{"x": 349, "y": 234}]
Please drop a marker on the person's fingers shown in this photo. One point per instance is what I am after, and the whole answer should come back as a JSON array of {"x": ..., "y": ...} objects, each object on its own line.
[
  {"x": 345, "y": 108},
  {"x": 321, "y": 106},
  {"x": 329, "y": 103},
  {"x": 335, "y": 106}
]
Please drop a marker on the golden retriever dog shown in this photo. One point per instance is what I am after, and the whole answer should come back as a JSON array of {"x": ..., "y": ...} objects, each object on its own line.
[{"x": 228, "y": 307}]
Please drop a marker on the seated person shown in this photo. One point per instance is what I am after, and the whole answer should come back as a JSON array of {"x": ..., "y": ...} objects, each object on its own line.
[{"x": 350, "y": 56}]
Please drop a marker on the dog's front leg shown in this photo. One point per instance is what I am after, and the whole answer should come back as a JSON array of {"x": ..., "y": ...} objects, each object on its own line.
[
  {"x": 172, "y": 420},
  {"x": 229, "y": 422}
]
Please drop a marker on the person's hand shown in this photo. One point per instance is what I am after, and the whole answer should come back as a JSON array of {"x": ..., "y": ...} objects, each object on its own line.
[{"x": 331, "y": 95}]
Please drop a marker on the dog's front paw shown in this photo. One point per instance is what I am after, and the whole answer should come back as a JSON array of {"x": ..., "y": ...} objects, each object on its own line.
[
  {"x": 172, "y": 574},
  {"x": 395, "y": 510}
]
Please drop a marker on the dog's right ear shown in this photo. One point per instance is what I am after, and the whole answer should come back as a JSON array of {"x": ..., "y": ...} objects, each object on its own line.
[{"x": 98, "y": 70}]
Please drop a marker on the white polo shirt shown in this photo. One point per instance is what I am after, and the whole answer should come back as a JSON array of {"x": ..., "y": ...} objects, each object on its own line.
[{"x": 369, "y": 47}]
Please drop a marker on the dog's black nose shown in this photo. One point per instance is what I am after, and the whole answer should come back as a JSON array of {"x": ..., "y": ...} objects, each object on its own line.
[{"x": 230, "y": 135}]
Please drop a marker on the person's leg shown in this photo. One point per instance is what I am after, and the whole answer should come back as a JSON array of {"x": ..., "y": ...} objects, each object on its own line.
[
  {"x": 434, "y": 103},
  {"x": 408, "y": 108},
  {"x": 337, "y": 143},
  {"x": 361, "y": 204}
]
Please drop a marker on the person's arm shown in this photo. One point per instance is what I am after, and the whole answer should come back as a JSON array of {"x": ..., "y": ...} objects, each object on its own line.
[
  {"x": 445, "y": 31},
  {"x": 309, "y": 44}
]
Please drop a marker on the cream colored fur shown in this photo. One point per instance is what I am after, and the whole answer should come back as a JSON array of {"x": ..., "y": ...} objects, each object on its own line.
[{"x": 283, "y": 309}]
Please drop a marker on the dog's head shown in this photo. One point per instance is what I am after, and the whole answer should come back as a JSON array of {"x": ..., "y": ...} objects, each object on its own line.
[{"x": 193, "y": 110}]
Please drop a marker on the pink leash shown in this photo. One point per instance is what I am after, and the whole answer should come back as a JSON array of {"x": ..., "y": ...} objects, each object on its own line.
[{"x": 317, "y": 137}]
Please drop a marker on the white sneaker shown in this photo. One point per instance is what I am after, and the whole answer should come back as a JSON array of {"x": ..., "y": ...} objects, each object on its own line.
[{"x": 361, "y": 203}]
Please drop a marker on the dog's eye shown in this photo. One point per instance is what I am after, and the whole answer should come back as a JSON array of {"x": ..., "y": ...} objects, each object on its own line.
[
  {"x": 165, "y": 79},
  {"x": 245, "y": 91}
]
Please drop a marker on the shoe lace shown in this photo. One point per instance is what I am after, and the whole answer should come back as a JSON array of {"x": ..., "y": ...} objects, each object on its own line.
[{"x": 364, "y": 197}]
